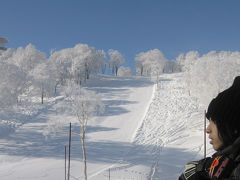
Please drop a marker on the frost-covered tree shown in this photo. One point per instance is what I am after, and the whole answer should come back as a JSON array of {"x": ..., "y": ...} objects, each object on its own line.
[
  {"x": 150, "y": 63},
  {"x": 87, "y": 60},
  {"x": 139, "y": 60},
  {"x": 14, "y": 75},
  {"x": 172, "y": 66},
  {"x": 27, "y": 58},
  {"x": 187, "y": 61},
  {"x": 10, "y": 84},
  {"x": 115, "y": 61},
  {"x": 212, "y": 73},
  {"x": 61, "y": 63},
  {"x": 84, "y": 104},
  {"x": 77, "y": 63},
  {"x": 180, "y": 61},
  {"x": 42, "y": 80},
  {"x": 190, "y": 59},
  {"x": 99, "y": 63},
  {"x": 158, "y": 61},
  {"x": 81, "y": 103}
]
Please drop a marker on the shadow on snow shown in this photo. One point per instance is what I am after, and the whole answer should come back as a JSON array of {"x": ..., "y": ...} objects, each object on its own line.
[{"x": 34, "y": 144}]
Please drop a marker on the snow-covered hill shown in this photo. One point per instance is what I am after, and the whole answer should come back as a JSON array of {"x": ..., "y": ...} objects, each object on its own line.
[
  {"x": 147, "y": 131},
  {"x": 173, "y": 127}
]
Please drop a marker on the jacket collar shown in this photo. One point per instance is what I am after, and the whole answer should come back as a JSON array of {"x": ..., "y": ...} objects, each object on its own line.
[{"x": 233, "y": 150}]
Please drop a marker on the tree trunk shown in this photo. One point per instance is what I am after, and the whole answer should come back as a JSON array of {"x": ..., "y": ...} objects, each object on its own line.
[
  {"x": 88, "y": 74},
  {"x": 85, "y": 73},
  {"x": 141, "y": 70},
  {"x": 84, "y": 153},
  {"x": 113, "y": 70},
  {"x": 116, "y": 69},
  {"x": 69, "y": 150},
  {"x": 42, "y": 95},
  {"x": 55, "y": 89},
  {"x": 104, "y": 69}
]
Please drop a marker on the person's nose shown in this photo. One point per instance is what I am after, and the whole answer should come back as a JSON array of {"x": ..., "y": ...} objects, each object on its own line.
[{"x": 208, "y": 130}]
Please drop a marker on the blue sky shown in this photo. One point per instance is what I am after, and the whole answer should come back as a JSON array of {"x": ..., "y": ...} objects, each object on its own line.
[{"x": 129, "y": 26}]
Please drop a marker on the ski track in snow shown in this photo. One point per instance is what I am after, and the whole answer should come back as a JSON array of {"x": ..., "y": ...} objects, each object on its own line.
[
  {"x": 168, "y": 128},
  {"x": 171, "y": 108}
]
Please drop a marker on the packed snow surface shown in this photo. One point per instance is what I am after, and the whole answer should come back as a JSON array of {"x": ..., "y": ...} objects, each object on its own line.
[{"x": 148, "y": 131}]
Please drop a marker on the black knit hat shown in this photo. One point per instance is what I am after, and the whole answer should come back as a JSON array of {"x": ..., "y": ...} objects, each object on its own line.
[{"x": 224, "y": 110}]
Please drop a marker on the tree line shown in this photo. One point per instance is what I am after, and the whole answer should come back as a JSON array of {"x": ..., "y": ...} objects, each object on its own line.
[{"x": 27, "y": 71}]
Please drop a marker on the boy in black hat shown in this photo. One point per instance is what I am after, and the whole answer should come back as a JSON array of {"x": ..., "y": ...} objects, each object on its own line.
[{"x": 224, "y": 134}]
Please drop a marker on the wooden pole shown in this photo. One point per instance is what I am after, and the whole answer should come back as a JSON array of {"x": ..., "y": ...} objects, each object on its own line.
[
  {"x": 109, "y": 174},
  {"x": 69, "y": 151},
  {"x": 205, "y": 149},
  {"x": 65, "y": 163}
]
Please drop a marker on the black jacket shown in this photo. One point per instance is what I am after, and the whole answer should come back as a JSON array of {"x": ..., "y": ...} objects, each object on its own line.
[
  {"x": 233, "y": 151},
  {"x": 228, "y": 165}
]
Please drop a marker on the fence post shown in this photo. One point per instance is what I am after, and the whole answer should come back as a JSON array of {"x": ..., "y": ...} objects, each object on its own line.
[
  {"x": 65, "y": 163},
  {"x": 69, "y": 151},
  {"x": 205, "y": 148}
]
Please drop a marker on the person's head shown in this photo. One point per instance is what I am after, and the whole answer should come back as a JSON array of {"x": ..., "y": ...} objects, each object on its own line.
[{"x": 224, "y": 113}]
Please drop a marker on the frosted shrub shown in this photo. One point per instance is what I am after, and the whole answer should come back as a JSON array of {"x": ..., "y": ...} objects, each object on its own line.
[{"x": 124, "y": 71}]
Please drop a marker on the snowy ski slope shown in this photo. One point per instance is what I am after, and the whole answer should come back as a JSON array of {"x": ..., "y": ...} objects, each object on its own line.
[{"x": 146, "y": 132}]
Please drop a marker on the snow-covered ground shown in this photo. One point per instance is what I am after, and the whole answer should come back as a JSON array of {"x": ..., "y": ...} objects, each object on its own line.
[{"x": 146, "y": 132}]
